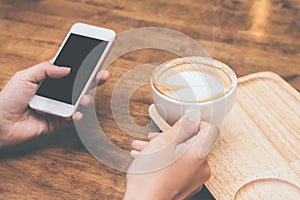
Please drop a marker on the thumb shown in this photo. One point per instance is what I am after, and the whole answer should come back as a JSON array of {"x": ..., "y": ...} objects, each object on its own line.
[
  {"x": 39, "y": 72},
  {"x": 184, "y": 128}
]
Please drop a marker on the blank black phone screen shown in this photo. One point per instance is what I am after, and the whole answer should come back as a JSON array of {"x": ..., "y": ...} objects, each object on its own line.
[{"x": 81, "y": 54}]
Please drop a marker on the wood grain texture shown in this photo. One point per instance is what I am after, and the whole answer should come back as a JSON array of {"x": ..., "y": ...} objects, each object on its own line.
[
  {"x": 248, "y": 35},
  {"x": 260, "y": 139}
]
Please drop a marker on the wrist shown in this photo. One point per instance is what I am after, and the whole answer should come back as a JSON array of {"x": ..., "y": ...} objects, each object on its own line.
[
  {"x": 2, "y": 122},
  {"x": 3, "y": 130},
  {"x": 145, "y": 193},
  {"x": 137, "y": 195}
]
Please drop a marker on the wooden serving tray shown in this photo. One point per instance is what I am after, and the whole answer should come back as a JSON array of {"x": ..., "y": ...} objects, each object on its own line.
[{"x": 260, "y": 139}]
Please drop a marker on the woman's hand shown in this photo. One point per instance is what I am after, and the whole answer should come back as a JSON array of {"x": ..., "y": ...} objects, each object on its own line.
[
  {"x": 173, "y": 164},
  {"x": 18, "y": 122}
]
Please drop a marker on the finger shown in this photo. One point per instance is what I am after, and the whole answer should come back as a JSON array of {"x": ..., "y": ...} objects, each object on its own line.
[
  {"x": 184, "y": 146},
  {"x": 184, "y": 128},
  {"x": 86, "y": 100},
  {"x": 54, "y": 124},
  {"x": 139, "y": 145},
  {"x": 102, "y": 76},
  {"x": 206, "y": 139},
  {"x": 43, "y": 70},
  {"x": 204, "y": 125},
  {"x": 134, "y": 153},
  {"x": 152, "y": 135},
  {"x": 77, "y": 116}
]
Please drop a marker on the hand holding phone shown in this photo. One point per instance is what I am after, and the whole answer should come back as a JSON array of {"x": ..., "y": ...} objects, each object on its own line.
[
  {"x": 83, "y": 50},
  {"x": 19, "y": 123}
]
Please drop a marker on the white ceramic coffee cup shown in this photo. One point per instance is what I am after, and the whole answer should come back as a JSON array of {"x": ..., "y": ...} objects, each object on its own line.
[{"x": 213, "y": 108}]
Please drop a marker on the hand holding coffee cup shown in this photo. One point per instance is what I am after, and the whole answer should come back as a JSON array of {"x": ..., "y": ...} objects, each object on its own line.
[{"x": 189, "y": 84}]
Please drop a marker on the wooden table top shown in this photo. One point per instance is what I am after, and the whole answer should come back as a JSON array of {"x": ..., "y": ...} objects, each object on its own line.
[{"x": 248, "y": 35}]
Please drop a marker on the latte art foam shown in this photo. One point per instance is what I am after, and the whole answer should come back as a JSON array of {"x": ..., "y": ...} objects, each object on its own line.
[{"x": 192, "y": 82}]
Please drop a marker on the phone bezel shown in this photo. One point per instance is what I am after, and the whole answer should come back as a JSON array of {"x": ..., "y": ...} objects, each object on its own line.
[{"x": 65, "y": 110}]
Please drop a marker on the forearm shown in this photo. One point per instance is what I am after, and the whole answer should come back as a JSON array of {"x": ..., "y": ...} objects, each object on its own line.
[
  {"x": 2, "y": 133},
  {"x": 2, "y": 122},
  {"x": 146, "y": 192}
]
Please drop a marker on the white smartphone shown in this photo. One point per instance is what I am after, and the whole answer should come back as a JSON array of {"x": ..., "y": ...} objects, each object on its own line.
[{"x": 83, "y": 50}]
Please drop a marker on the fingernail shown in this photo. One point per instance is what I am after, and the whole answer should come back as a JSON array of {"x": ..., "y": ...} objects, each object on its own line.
[
  {"x": 105, "y": 73},
  {"x": 86, "y": 99},
  {"x": 102, "y": 73},
  {"x": 138, "y": 144},
  {"x": 134, "y": 153},
  {"x": 212, "y": 134},
  {"x": 78, "y": 115},
  {"x": 194, "y": 116},
  {"x": 68, "y": 69}
]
